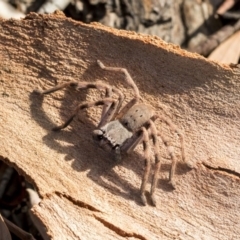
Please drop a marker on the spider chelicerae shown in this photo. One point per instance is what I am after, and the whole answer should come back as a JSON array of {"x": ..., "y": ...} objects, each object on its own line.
[{"x": 122, "y": 128}]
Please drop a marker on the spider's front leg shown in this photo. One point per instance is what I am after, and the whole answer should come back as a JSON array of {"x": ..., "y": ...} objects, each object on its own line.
[
  {"x": 128, "y": 78},
  {"x": 129, "y": 81}
]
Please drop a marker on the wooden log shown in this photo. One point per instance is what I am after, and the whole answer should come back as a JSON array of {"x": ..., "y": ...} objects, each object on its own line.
[
  {"x": 228, "y": 51},
  {"x": 84, "y": 195}
]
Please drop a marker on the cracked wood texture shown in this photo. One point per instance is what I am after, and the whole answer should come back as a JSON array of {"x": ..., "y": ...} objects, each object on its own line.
[{"x": 84, "y": 194}]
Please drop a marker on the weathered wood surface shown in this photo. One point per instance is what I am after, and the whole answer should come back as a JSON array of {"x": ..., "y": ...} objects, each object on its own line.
[{"x": 83, "y": 194}]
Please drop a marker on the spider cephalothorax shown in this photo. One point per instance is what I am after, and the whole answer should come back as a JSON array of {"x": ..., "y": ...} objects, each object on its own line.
[
  {"x": 121, "y": 129},
  {"x": 113, "y": 136}
]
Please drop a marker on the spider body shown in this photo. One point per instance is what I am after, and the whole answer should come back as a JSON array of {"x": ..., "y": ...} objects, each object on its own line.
[
  {"x": 122, "y": 128},
  {"x": 112, "y": 135},
  {"x": 116, "y": 135}
]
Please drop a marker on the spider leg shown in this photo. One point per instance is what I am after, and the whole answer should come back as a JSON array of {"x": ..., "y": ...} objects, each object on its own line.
[
  {"x": 108, "y": 94},
  {"x": 130, "y": 145},
  {"x": 173, "y": 158},
  {"x": 146, "y": 148},
  {"x": 128, "y": 78},
  {"x": 57, "y": 87},
  {"x": 129, "y": 81},
  {"x": 107, "y": 111},
  {"x": 170, "y": 149},
  {"x": 109, "y": 90},
  {"x": 87, "y": 105},
  {"x": 109, "y": 115},
  {"x": 173, "y": 128},
  {"x": 153, "y": 132}
]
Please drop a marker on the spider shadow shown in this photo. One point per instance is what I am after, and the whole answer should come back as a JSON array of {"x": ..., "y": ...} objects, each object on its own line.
[{"x": 77, "y": 145}]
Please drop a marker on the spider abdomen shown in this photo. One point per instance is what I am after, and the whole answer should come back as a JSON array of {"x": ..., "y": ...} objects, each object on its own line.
[{"x": 137, "y": 116}]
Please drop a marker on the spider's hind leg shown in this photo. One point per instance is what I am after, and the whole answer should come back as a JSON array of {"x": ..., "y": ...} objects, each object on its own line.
[
  {"x": 175, "y": 129},
  {"x": 153, "y": 132},
  {"x": 171, "y": 153},
  {"x": 170, "y": 149},
  {"x": 146, "y": 148}
]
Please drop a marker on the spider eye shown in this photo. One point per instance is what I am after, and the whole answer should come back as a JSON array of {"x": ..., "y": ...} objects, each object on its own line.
[
  {"x": 97, "y": 135},
  {"x": 116, "y": 146}
]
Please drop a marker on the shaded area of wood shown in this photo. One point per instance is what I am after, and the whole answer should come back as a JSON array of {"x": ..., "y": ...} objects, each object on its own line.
[{"x": 84, "y": 194}]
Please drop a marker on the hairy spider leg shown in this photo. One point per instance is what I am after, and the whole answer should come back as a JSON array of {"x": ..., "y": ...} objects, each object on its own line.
[
  {"x": 170, "y": 149},
  {"x": 130, "y": 145},
  {"x": 128, "y": 78},
  {"x": 129, "y": 81},
  {"x": 173, "y": 159},
  {"x": 146, "y": 149},
  {"x": 154, "y": 136}
]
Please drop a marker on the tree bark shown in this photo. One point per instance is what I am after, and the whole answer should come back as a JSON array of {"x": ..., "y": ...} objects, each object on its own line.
[{"x": 84, "y": 194}]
